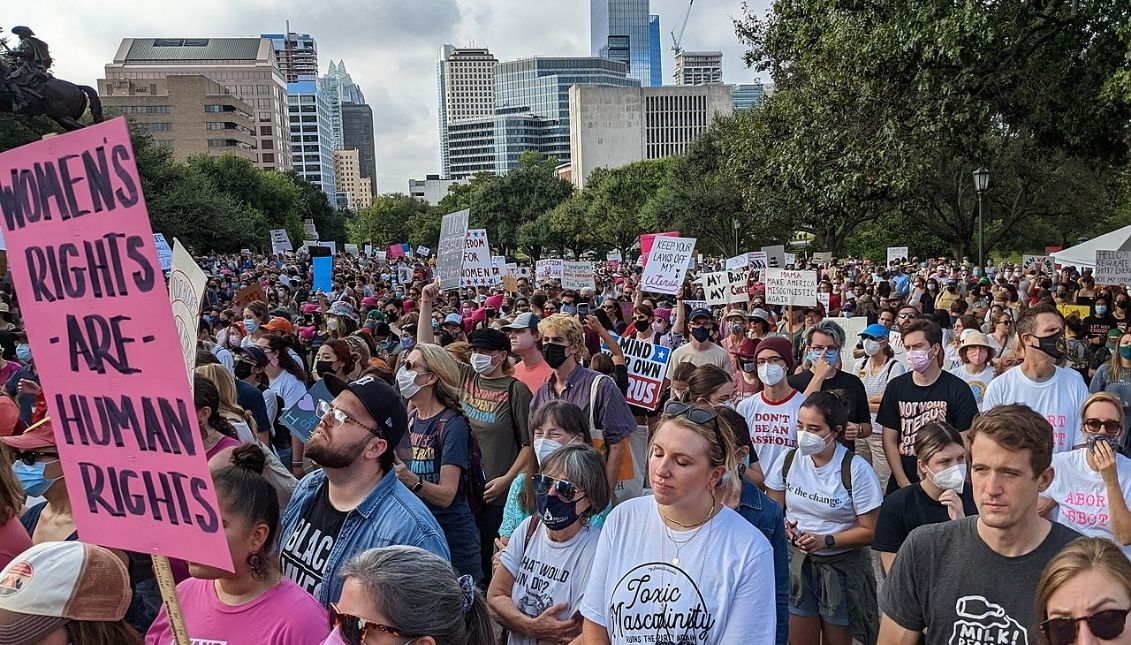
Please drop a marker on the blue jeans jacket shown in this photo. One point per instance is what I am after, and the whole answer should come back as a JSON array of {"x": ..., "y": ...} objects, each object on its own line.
[
  {"x": 765, "y": 514},
  {"x": 390, "y": 515}
]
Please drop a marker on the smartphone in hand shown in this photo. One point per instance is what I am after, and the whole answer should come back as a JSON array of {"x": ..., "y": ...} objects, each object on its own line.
[{"x": 583, "y": 310}]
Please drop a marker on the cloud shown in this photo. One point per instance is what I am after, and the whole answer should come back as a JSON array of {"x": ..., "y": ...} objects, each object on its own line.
[{"x": 389, "y": 46}]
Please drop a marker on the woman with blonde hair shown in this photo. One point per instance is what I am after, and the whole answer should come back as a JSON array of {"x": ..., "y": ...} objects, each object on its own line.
[
  {"x": 682, "y": 553},
  {"x": 241, "y": 419},
  {"x": 1115, "y": 375},
  {"x": 1092, "y": 482},
  {"x": 439, "y": 470},
  {"x": 1084, "y": 595}
]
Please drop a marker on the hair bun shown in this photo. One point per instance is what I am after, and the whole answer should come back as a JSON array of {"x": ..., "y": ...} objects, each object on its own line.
[{"x": 249, "y": 457}]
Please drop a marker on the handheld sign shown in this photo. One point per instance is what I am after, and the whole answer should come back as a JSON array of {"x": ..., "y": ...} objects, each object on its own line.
[
  {"x": 786, "y": 287},
  {"x": 323, "y": 270},
  {"x": 302, "y": 417},
  {"x": 577, "y": 275},
  {"x": 738, "y": 262},
  {"x": 646, "y": 242},
  {"x": 476, "y": 269},
  {"x": 647, "y": 366},
  {"x": 449, "y": 254},
  {"x": 775, "y": 256},
  {"x": 1113, "y": 267},
  {"x": 667, "y": 264},
  {"x": 103, "y": 335},
  {"x": 1041, "y": 263},
  {"x": 896, "y": 253},
  {"x": 164, "y": 253},
  {"x": 186, "y": 292},
  {"x": 251, "y": 293},
  {"x": 280, "y": 241},
  {"x": 549, "y": 269},
  {"x": 823, "y": 257}
]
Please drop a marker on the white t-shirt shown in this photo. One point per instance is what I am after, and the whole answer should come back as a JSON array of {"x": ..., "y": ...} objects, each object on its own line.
[
  {"x": 288, "y": 387},
  {"x": 1081, "y": 494},
  {"x": 773, "y": 424},
  {"x": 816, "y": 499},
  {"x": 721, "y": 592},
  {"x": 878, "y": 382},
  {"x": 1059, "y": 399},
  {"x": 548, "y": 573},
  {"x": 977, "y": 382}
]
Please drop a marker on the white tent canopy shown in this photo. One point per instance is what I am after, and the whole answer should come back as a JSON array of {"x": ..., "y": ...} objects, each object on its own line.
[{"x": 1084, "y": 254}]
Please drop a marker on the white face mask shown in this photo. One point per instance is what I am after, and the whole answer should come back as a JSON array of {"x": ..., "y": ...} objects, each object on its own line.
[
  {"x": 810, "y": 443},
  {"x": 871, "y": 347},
  {"x": 482, "y": 363},
  {"x": 543, "y": 448},
  {"x": 406, "y": 382},
  {"x": 770, "y": 373},
  {"x": 953, "y": 478}
]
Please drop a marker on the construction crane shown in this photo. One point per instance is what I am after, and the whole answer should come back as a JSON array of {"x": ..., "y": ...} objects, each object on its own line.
[{"x": 677, "y": 40}]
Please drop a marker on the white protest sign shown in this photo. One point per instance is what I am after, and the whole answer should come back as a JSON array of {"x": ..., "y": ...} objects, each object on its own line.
[
  {"x": 613, "y": 256},
  {"x": 716, "y": 288},
  {"x": 823, "y": 257},
  {"x": 351, "y": 249},
  {"x": 758, "y": 260},
  {"x": 511, "y": 269},
  {"x": 739, "y": 281},
  {"x": 667, "y": 264},
  {"x": 476, "y": 269},
  {"x": 787, "y": 287},
  {"x": 423, "y": 251},
  {"x": 186, "y": 292},
  {"x": 449, "y": 255},
  {"x": 381, "y": 256},
  {"x": 1113, "y": 267},
  {"x": 369, "y": 250},
  {"x": 896, "y": 253},
  {"x": 164, "y": 252},
  {"x": 280, "y": 241},
  {"x": 775, "y": 256},
  {"x": 330, "y": 244},
  {"x": 823, "y": 299},
  {"x": 548, "y": 270},
  {"x": 498, "y": 268},
  {"x": 851, "y": 326},
  {"x": 577, "y": 275},
  {"x": 1043, "y": 263},
  {"x": 790, "y": 259},
  {"x": 738, "y": 262}
]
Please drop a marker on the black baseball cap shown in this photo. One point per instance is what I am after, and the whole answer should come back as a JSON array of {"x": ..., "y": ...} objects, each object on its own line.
[
  {"x": 257, "y": 356},
  {"x": 380, "y": 400},
  {"x": 489, "y": 339}
]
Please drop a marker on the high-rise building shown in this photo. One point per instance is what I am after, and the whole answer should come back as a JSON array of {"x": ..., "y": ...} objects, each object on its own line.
[
  {"x": 190, "y": 115},
  {"x": 297, "y": 54},
  {"x": 614, "y": 126},
  {"x": 747, "y": 95},
  {"x": 245, "y": 67},
  {"x": 655, "y": 59},
  {"x": 698, "y": 68},
  {"x": 353, "y": 190},
  {"x": 624, "y": 30},
  {"x": 466, "y": 90},
  {"x": 357, "y": 134},
  {"x": 311, "y": 135},
  {"x": 431, "y": 189},
  {"x": 340, "y": 78}
]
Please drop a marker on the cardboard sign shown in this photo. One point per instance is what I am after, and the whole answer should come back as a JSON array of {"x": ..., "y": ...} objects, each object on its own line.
[
  {"x": 1113, "y": 267},
  {"x": 1042, "y": 263},
  {"x": 823, "y": 257},
  {"x": 667, "y": 264},
  {"x": 788, "y": 287},
  {"x": 738, "y": 262},
  {"x": 423, "y": 251},
  {"x": 549, "y": 270},
  {"x": 186, "y": 291},
  {"x": 577, "y": 275},
  {"x": 646, "y": 242},
  {"x": 647, "y": 366},
  {"x": 476, "y": 270},
  {"x": 725, "y": 287},
  {"x": 1081, "y": 311},
  {"x": 302, "y": 417},
  {"x": 280, "y": 241},
  {"x": 775, "y": 256},
  {"x": 323, "y": 268},
  {"x": 103, "y": 334},
  {"x": 164, "y": 252},
  {"x": 449, "y": 258},
  {"x": 510, "y": 284},
  {"x": 896, "y": 253},
  {"x": 251, "y": 293}
]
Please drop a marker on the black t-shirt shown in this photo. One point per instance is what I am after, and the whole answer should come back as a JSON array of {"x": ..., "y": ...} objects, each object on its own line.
[
  {"x": 909, "y": 508},
  {"x": 854, "y": 392},
  {"x": 906, "y": 407},
  {"x": 1098, "y": 326},
  {"x": 307, "y": 550}
]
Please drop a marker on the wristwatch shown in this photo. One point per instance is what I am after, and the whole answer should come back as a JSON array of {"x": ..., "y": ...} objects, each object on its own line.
[
  {"x": 418, "y": 485},
  {"x": 830, "y": 541}
]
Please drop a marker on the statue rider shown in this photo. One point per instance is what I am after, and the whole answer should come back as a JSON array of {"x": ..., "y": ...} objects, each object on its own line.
[{"x": 31, "y": 61}]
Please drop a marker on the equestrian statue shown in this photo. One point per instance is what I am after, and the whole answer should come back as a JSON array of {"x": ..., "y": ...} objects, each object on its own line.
[{"x": 29, "y": 89}]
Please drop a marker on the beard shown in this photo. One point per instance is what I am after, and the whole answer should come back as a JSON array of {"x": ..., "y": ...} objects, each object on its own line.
[{"x": 327, "y": 456}]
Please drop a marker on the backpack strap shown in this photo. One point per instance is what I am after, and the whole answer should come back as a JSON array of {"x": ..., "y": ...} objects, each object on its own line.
[
  {"x": 530, "y": 529},
  {"x": 593, "y": 387},
  {"x": 514, "y": 418},
  {"x": 846, "y": 471},
  {"x": 789, "y": 457}
]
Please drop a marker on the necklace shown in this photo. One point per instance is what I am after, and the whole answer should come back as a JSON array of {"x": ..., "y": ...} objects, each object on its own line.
[
  {"x": 714, "y": 507},
  {"x": 679, "y": 544}
]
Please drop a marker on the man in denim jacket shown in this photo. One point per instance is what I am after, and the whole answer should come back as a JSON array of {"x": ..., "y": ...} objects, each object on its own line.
[{"x": 355, "y": 502}]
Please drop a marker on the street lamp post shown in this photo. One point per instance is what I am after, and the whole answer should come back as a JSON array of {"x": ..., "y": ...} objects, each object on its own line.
[
  {"x": 981, "y": 184},
  {"x": 735, "y": 236}
]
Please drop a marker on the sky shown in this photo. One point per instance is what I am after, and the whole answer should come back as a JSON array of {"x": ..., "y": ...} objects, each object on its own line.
[{"x": 390, "y": 47}]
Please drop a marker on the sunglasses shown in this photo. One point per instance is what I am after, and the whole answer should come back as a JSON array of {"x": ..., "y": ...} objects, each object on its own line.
[
  {"x": 415, "y": 366},
  {"x": 30, "y": 457},
  {"x": 908, "y": 315},
  {"x": 1095, "y": 425},
  {"x": 567, "y": 491},
  {"x": 354, "y": 629},
  {"x": 1105, "y": 625},
  {"x": 696, "y": 414}
]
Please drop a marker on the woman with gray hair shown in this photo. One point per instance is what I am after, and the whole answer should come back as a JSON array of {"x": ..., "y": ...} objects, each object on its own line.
[
  {"x": 537, "y": 591},
  {"x": 403, "y": 592},
  {"x": 823, "y": 372}
]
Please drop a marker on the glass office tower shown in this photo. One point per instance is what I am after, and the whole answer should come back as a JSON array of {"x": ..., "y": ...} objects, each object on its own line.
[{"x": 623, "y": 30}]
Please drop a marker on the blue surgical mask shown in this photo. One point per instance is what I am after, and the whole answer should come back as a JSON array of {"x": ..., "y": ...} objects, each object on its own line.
[
  {"x": 250, "y": 325},
  {"x": 569, "y": 310},
  {"x": 23, "y": 352},
  {"x": 1101, "y": 310},
  {"x": 406, "y": 341},
  {"x": 32, "y": 479}
]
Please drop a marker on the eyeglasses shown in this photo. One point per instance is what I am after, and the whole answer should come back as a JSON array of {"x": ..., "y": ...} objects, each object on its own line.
[
  {"x": 565, "y": 489},
  {"x": 353, "y": 629},
  {"x": 339, "y": 417},
  {"x": 30, "y": 457},
  {"x": 1095, "y": 425},
  {"x": 609, "y": 308},
  {"x": 908, "y": 315},
  {"x": 1105, "y": 625}
]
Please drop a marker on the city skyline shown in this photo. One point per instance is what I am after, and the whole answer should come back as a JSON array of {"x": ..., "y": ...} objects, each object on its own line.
[{"x": 389, "y": 48}]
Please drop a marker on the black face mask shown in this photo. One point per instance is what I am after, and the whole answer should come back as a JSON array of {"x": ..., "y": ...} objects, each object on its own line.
[
  {"x": 324, "y": 367},
  {"x": 242, "y": 370},
  {"x": 700, "y": 333},
  {"x": 641, "y": 325},
  {"x": 555, "y": 355},
  {"x": 1053, "y": 345}
]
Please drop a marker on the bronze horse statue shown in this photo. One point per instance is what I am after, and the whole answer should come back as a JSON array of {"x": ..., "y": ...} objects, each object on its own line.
[{"x": 62, "y": 101}]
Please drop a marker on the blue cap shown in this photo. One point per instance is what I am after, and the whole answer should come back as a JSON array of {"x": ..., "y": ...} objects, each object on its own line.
[
  {"x": 700, "y": 313},
  {"x": 453, "y": 319},
  {"x": 875, "y": 330}
]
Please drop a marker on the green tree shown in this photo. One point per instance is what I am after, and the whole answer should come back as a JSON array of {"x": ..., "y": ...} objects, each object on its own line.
[
  {"x": 616, "y": 216},
  {"x": 503, "y": 204},
  {"x": 388, "y": 221}
]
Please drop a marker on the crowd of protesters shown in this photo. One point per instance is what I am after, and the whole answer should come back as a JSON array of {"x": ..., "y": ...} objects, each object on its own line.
[{"x": 478, "y": 474}]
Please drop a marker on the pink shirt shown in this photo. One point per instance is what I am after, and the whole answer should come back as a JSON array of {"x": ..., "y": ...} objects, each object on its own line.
[
  {"x": 285, "y": 615},
  {"x": 14, "y": 540},
  {"x": 533, "y": 377}
]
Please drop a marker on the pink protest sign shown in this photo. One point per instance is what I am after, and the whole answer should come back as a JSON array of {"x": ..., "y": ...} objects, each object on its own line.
[
  {"x": 646, "y": 242},
  {"x": 100, "y": 325}
]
